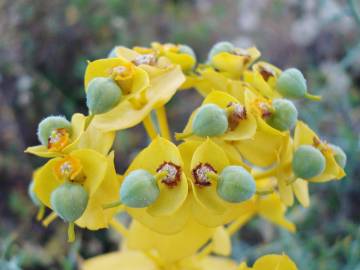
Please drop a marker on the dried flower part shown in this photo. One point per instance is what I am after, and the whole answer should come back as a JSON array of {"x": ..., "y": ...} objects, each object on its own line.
[
  {"x": 265, "y": 109},
  {"x": 236, "y": 114},
  {"x": 173, "y": 173},
  {"x": 69, "y": 168},
  {"x": 59, "y": 138},
  {"x": 266, "y": 72},
  {"x": 145, "y": 59},
  {"x": 201, "y": 174},
  {"x": 321, "y": 145},
  {"x": 244, "y": 53}
]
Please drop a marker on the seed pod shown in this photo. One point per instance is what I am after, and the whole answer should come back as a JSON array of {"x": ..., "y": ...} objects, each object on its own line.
[
  {"x": 284, "y": 116},
  {"x": 235, "y": 184},
  {"x": 69, "y": 201},
  {"x": 187, "y": 49},
  {"x": 210, "y": 120},
  {"x": 222, "y": 46},
  {"x": 292, "y": 84},
  {"x": 308, "y": 162},
  {"x": 112, "y": 53},
  {"x": 339, "y": 155},
  {"x": 49, "y": 124},
  {"x": 34, "y": 198},
  {"x": 139, "y": 189},
  {"x": 102, "y": 95}
]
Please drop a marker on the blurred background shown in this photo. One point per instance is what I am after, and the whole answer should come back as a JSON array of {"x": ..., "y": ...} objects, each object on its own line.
[{"x": 44, "y": 46}]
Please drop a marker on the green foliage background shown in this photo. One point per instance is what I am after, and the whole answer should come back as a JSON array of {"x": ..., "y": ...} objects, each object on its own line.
[{"x": 44, "y": 46}]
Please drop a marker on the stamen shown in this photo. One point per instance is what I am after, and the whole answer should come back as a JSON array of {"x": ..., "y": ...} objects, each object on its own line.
[
  {"x": 59, "y": 138},
  {"x": 122, "y": 72},
  {"x": 237, "y": 113},
  {"x": 201, "y": 174},
  {"x": 145, "y": 59},
  {"x": 173, "y": 173},
  {"x": 321, "y": 145}
]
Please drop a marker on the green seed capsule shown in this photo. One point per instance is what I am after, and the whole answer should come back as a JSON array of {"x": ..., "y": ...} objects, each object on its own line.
[
  {"x": 340, "y": 155},
  {"x": 139, "y": 189},
  {"x": 235, "y": 184},
  {"x": 69, "y": 201},
  {"x": 308, "y": 162},
  {"x": 292, "y": 84},
  {"x": 222, "y": 46},
  {"x": 34, "y": 198},
  {"x": 49, "y": 124},
  {"x": 188, "y": 50},
  {"x": 102, "y": 95},
  {"x": 284, "y": 116},
  {"x": 210, "y": 120}
]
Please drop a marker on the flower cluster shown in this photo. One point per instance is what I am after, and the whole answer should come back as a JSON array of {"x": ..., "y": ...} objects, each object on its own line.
[{"x": 243, "y": 153}]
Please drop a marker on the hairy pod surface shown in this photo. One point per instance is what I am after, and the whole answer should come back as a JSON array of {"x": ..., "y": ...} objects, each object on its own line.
[
  {"x": 49, "y": 124},
  {"x": 222, "y": 46},
  {"x": 339, "y": 155},
  {"x": 308, "y": 162},
  {"x": 210, "y": 120},
  {"x": 102, "y": 95},
  {"x": 284, "y": 116},
  {"x": 292, "y": 84},
  {"x": 69, "y": 201},
  {"x": 235, "y": 184},
  {"x": 139, "y": 189}
]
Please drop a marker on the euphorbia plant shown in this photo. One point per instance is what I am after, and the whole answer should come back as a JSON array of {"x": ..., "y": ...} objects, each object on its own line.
[{"x": 243, "y": 153}]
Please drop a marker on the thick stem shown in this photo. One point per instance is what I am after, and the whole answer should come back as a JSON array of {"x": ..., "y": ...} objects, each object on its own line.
[
  {"x": 40, "y": 213},
  {"x": 312, "y": 97},
  {"x": 71, "y": 232},
  {"x": 149, "y": 127},
  {"x": 163, "y": 122},
  {"x": 49, "y": 219}
]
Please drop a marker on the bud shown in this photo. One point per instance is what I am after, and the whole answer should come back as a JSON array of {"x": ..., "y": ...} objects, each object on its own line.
[
  {"x": 69, "y": 201},
  {"x": 292, "y": 84},
  {"x": 49, "y": 124},
  {"x": 284, "y": 116},
  {"x": 102, "y": 95},
  {"x": 308, "y": 162},
  {"x": 235, "y": 184},
  {"x": 112, "y": 53},
  {"x": 339, "y": 155},
  {"x": 139, "y": 189},
  {"x": 210, "y": 120},
  {"x": 222, "y": 46}
]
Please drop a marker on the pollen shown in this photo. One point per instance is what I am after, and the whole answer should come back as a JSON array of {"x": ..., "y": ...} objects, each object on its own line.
[
  {"x": 123, "y": 72},
  {"x": 58, "y": 139},
  {"x": 237, "y": 112},
  {"x": 201, "y": 174},
  {"x": 145, "y": 59},
  {"x": 265, "y": 109},
  {"x": 69, "y": 168},
  {"x": 173, "y": 173}
]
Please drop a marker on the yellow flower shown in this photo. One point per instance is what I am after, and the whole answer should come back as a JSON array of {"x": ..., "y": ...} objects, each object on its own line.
[
  {"x": 168, "y": 214},
  {"x": 268, "y": 207},
  {"x": 152, "y": 86},
  {"x": 207, "y": 207},
  {"x": 93, "y": 171},
  {"x": 263, "y": 78},
  {"x": 242, "y": 124},
  {"x": 62, "y": 142},
  {"x": 234, "y": 63},
  {"x": 282, "y": 172},
  {"x": 305, "y": 136},
  {"x": 271, "y": 262},
  {"x": 176, "y": 55},
  {"x": 170, "y": 248}
]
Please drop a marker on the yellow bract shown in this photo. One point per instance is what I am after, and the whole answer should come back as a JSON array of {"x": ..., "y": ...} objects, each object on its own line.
[{"x": 78, "y": 127}]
